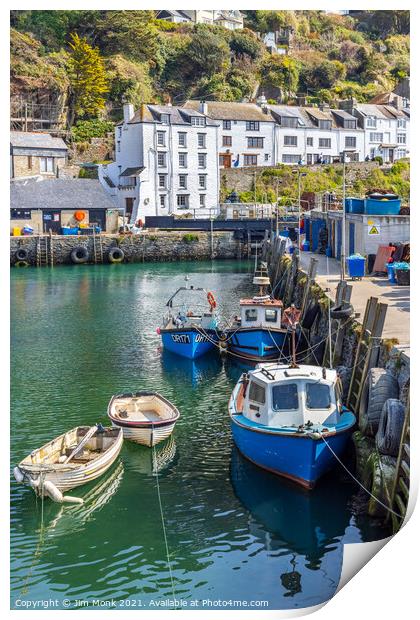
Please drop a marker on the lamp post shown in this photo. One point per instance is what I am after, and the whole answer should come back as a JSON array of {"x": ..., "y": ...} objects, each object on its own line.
[
  {"x": 343, "y": 223},
  {"x": 300, "y": 174}
]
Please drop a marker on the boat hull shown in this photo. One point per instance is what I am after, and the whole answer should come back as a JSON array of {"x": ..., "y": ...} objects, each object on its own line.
[
  {"x": 147, "y": 435},
  {"x": 301, "y": 458},
  {"x": 189, "y": 343},
  {"x": 257, "y": 343}
]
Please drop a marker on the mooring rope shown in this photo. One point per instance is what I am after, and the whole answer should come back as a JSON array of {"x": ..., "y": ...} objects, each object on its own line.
[
  {"x": 359, "y": 483},
  {"x": 163, "y": 524},
  {"x": 37, "y": 552}
]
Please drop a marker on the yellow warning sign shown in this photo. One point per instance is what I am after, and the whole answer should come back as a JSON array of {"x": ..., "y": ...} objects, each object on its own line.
[{"x": 374, "y": 230}]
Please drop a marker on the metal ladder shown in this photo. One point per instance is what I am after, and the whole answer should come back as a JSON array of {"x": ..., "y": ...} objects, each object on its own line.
[
  {"x": 42, "y": 251},
  {"x": 342, "y": 294},
  {"x": 401, "y": 489},
  {"x": 367, "y": 351},
  {"x": 98, "y": 254}
]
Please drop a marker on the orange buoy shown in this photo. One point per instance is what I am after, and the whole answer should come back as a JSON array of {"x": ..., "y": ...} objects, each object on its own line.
[
  {"x": 211, "y": 299},
  {"x": 79, "y": 216}
]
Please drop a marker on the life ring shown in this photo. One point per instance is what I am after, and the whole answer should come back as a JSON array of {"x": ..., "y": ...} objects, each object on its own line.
[
  {"x": 211, "y": 299},
  {"x": 79, "y": 216},
  {"x": 79, "y": 255},
  {"x": 116, "y": 255},
  {"x": 21, "y": 254}
]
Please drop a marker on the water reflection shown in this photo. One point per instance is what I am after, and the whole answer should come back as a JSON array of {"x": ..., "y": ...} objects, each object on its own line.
[
  {"x": 284, "y": 515},
  {"x": 146, "y": 461},
  {"x": 192, "y": 372}
]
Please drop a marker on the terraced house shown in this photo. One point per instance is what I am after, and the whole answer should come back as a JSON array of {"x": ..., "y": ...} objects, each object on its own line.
[
  {"x": 246, "y": 134},
  {"x": 165, "y": 162}
]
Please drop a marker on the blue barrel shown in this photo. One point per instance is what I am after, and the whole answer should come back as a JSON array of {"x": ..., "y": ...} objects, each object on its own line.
[
  {"x": 390, "y": 267},
  {"x": 306, "y": 246},
  {"x": 356, "y": 266},
  {"x": 328, "y": 251}
]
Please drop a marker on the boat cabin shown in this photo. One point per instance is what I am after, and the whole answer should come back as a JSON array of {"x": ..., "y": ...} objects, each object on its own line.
[
  {"x": 280, "y": 396},
  {"x": 261, "y": 312}
]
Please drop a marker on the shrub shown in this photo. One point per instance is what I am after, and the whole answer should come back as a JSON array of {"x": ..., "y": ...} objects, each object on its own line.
[
  {"x": 189, "y": 238},
  {"x": 83, "y": 131}
]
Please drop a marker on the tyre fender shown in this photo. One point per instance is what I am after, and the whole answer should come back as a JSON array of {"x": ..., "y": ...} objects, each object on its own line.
[
  {"x": 343, "y": 311},
  {"x": 79, "y": 255},
  {"x": 21, "y": 254},
  {"x": 390, "y": 428},
  {"x": 380, "y": 385},
  {"x": 116, "y": 255}
]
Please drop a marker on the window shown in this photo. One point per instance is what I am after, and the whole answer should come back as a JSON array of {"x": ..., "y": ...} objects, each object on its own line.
[
  {"x": 201, "y": 140},
  {"x": 182, "y": 139},
  {"x": 290, "y": 159},
  {"x": 162, "y": 200},
  {"x": 202, "y": 160},
  {"x": 309, "y": 141},
  {"x": 226, "y": 140},
  {"x": 198, "y": 121},
  {"x": 271, "y": 316},
  {"x": 401, "y": 123},
  {"x": 161, "y": 138},
  {"x": 30, "y": 162},
  {"x": 119, "y": 132},
  {"x": 371, "y": 122},
  {"x": 349, "y": 124},
  {"x": 290, "y": 141},
  {"x": 46, "y": 164},
  {"x": 182, "y": 158},
  {"x": 401, "y": 138},
  {"x": 324, "y": 143},
  {"x": 250, "y": 160},
  {"x": 183, "y": 181},
  {"x": 286, "y": 121},
  {"x": 162, "y": 181},
  {"x": 266, "y": 156},
  {"x": 252, "y": 125},
  {"x": 227, "y": 125},
  {"x": 317, "y": 396},
  {"x": 324, "y": 124},
  {"x": 285, "y": 397},
  {"x": 350, "y": 142},
  {"x": 182, "y": 201},
  {"x": 118, "y": 147},
  {"x": 165, "y": 118},
  {"x": 257, "y": 143},
  {"x": 256, "y": 393},
  {"x": 251, "y": 314},
  {"x": 161, "y": 157},
  {"x": 20, "y": 214},
  {"x": 376, "y": 137},
  {"x": 202, "y": 200},
  {"x": 202, "y": 181}
]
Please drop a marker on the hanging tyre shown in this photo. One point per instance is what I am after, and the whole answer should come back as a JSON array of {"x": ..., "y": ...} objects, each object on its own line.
[
  {"x": 21, "y": 263},
  {"x": 21, "y": 254},
  {"x": 116, "y": 255},
  {"x": 343, "y": 311},
  {"x": 390, "y": 428},
  {"x": 79, "y": 255},
  {"x": 378, "y": 387}
]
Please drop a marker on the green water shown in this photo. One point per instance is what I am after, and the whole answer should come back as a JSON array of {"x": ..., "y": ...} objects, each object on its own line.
[{"x": 234, "y": 532}]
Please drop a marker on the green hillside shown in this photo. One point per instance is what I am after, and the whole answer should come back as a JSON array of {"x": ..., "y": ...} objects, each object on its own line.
[{"x": 139, "y": 58}]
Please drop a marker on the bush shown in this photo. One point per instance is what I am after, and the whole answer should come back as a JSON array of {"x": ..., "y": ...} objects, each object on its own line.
[
  {"x": 189, "y": 238},
  {"x": 83, "y": 131},
  {"x": 379, "y": 159}
]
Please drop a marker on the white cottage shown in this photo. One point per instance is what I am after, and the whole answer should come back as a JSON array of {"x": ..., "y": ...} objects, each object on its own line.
[{"x": 165, "y": 162}]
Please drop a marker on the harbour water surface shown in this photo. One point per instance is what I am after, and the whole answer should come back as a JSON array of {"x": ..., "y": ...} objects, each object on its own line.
[{"x": 237, "y": 537}]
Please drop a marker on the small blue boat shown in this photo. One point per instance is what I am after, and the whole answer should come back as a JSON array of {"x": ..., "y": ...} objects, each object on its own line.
[
  {"x": 189, "y": 332},
  {"x": 257, "y": 334},
  {"x": 290, "y": 420}
]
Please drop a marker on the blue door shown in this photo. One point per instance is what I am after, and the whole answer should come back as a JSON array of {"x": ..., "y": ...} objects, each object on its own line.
[
  {"x": 338, "y": 253},
  {"x": 352, "y": 231}
]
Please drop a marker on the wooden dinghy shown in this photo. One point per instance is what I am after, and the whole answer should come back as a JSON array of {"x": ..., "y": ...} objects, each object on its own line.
[
  {"x": 145, "y": 417},
  {"x": 72, "y": 459}
]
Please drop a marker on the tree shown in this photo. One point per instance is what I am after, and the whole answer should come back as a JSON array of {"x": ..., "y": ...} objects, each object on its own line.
[
  {"x": 245, "y": 43},
  {"x": 206, "y": 54},
  {"x": 281, "y": 72},
  {"x": 88, "y": 79}
]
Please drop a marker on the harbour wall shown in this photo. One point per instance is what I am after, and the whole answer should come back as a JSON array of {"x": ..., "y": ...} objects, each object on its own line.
[
  {"x": 376, "y": 471},
  {"x": 159, "y": 246}
]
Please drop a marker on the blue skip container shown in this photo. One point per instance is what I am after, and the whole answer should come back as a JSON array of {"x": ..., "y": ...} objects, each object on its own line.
[{"x": 356, "y": 266}]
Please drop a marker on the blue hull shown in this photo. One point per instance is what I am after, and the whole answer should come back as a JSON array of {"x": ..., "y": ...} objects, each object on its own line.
[
  {"x": 187, "y": 342},
  {"x": 298, "y": 457},
  {"x": 257, "y": 343}
]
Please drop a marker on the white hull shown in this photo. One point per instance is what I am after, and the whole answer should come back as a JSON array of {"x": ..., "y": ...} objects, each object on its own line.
[{"x": 146, "y": 436}]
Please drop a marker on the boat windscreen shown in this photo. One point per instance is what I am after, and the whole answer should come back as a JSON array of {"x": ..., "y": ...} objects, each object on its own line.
[
  {"x": 318, "y": 396},
  {"x": 285, "y": 397}
]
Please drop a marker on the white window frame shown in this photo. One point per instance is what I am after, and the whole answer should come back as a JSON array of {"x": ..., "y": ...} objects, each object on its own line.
[
  {"x": 182, "y": 198},
  {"x": 202, "y": 185},
  {"x": 202, "y": 137},
  {"x": 182, "y": 181},
  {"x": 227, "y": 125},
  {"x": 290, "y": 141},
  {"x": 161, "y": 156},
  {"x": 324, "y": 143},
  {"x": 353, "y": 141},
  {"x": 183, "y": 160},
  {"x": 160, "y": 177},
  {"x": 182, "y": 138},
  {"x": 202, "y": 157},
  {"x": 202, "y": 200},
  {"x": 46, "y": 164},
  {"x": 401, "y": 138},
  {"x": 161, "y": 138},
  {"x": 198, "y": 121}
]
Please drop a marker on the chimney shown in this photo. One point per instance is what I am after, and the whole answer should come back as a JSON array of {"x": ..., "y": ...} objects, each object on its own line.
[
  {"x": 203, "y": 107},
  {"x": 128, "y": 109}
]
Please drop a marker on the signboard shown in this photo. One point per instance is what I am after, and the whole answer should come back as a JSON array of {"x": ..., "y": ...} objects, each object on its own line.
[{"x": 373, "y": 229}]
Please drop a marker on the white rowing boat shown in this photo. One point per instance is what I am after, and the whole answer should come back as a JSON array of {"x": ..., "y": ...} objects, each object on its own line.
[
  {"x": 145, "y": 417},
  {"x": 72, "y": 459}
]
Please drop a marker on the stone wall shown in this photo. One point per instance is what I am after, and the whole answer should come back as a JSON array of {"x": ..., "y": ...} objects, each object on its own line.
[{"x": 159, "y": 246}]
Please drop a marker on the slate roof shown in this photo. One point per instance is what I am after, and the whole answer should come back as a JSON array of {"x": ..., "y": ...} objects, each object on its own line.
[
  {"x": 37, "y": 140},
  {"x": 174, "y": 14},
  {"x": 308, "y": 117},
  {"x": 150, "y": 113},
  {"x": 58, "y": 193},
  {"x": 230, "y": 110}
]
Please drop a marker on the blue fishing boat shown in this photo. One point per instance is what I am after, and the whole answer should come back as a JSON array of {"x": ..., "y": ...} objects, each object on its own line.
[
  {"x": 190, "y": 332},
  {"x": 257, "y": 333},
  {"x": 289, "y": 419}
]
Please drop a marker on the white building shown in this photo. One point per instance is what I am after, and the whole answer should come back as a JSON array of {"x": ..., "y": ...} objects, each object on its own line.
[
  {"x": 246, "y": 135},
  {"x": 315, "y": 135},
  {"x": 386, "y": 130},
  {"x": 232, "y": 20},
  {"x": 165, "y": 162}
]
